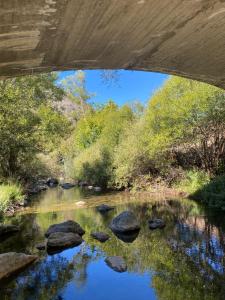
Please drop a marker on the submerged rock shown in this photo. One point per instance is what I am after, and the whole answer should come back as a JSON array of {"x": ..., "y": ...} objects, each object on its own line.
[
  {"x": 6, "y": 230},
  {"x": 12, "y": 262},
  {"x": 125, "y": 222},
  {"x": 63, "y": 240},
  {"x": 67, "y": 185},
  {"x": 67, "y": 226},
  {"x": 156, "y": 223},
  {"x": 100, "y": 236},
  {"x": 116, "y": 263},
  {"x": 104, "y": 208}
]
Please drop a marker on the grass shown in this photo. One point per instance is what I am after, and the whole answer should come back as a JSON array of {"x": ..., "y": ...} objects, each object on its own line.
[{"x": 10, "y": 194}]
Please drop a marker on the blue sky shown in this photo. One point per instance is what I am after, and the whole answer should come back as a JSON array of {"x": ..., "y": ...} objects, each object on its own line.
[{"x": 131, "y": 85}]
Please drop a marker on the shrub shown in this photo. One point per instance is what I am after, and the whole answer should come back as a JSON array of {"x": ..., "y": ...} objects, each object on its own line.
[{"x": 9, "y": 194}]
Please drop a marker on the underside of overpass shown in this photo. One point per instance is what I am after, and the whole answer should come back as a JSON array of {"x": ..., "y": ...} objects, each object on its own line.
[{"x": 183, "y": 37}]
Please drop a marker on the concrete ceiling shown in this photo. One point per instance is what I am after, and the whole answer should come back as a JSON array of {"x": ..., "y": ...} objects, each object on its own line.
[{"x": 183, "y": 37}]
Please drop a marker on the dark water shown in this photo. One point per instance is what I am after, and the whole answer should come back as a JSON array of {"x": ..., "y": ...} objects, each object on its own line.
[{"x": 185, "y": 260}]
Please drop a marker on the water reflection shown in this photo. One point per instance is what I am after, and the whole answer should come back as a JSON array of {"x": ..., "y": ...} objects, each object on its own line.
[{"x": 185, "y": 260}]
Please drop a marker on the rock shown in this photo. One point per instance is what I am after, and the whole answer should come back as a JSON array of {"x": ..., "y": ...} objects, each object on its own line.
[
  {"x": 90, "y": 187},
  {"x": 100, "y": 236},
  {"x": 68, "y": 226},
  {"x": 63, "y": 240},
  {"x": 41, "y": 246},
  {"x": 80, "y": 203},
  {"x": 97, "y": 189},
  {"x": 116, "y": 263},
  {"x": 125, "y": 222},
  {"x": 52, "y": 182},
  {"x": 37, "y": 189},
  {"x": 104, "y": 208},
  {"x": 156, "y": 223},
  {"x": 67, "y": 185},
  {"x": 127, "y": 237},
  {"x": 12, "y": 262},
  {"x": 83, "y": 183},
  {"x": 8, "y": 229}
]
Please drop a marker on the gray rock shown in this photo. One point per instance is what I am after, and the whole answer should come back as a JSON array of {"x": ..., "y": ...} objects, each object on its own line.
[
  {"x": 125, "y": 222},
  {"x": 104, "y": 208},
  {"x": 62, "y": 240},
  {"x": 156, "y": 223},
  {"x": 8, "y": 229},
  {"x": 11, "y": 263},
  {"x": 67, "y": 226},
  {"x": 97, "y": 189},
  {"x": 100, "y": 236},
  {"x": 67, "y": 185},
  {"x": 41, "y": 246},
  {"x": 51, "y": 182},
  {"x": 116, "y": 263}
]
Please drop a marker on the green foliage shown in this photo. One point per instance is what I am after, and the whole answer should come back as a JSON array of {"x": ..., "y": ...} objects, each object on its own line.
[
  {"x": 94, "y": 140},
  {"x": 212, "y": 192},
  {"x": 10, "y": 193},
  {"x": 193, "y": 180},
  {"x": 27, "y": 121}
]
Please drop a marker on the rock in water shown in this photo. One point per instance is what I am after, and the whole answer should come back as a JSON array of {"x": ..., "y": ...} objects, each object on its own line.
[
  {"x": 62, "y": 240},
  {"x": 8, "y": 229},
  {"x": 41, "y": 246},
  {"x": 125, "y": 222},
  {"x": 127, "y": 237},
  {"x": 100, "y": 236},
  {"x": 67, "y": 185},
  {"x": 12, "y": 262},
  {"x": 116, "y": 263},
  {"x": 104, "y": 208},
  {"x": 68, "y": 226},
  {"x": 156, "y": 223},
  {"x": 52, "y": 182}
]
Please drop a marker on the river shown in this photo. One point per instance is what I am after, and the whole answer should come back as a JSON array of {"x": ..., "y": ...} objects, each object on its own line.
[{"x": 185, "y": 260}]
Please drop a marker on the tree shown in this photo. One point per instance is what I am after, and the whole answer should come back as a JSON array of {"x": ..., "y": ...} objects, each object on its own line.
[{"x": 20, "y": 123}]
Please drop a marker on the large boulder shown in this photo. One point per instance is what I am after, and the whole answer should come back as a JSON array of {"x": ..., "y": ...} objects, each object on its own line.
[
  {"x": 62, "y": 240},
  {"x": 125, "y": 222},
  {"x": 67, "y": 226},
  {"x": 103, "y": 208},
  {"x": 6, "y": 230},
  {"x": 116, "y": 263},
  {"x": 100, "y": 236},
  {"x": 11, "y": 263}
]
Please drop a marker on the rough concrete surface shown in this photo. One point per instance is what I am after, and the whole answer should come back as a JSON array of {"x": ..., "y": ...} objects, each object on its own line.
[{"x": 180, "y": 37}]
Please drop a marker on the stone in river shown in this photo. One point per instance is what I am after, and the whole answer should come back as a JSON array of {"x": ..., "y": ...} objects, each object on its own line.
[
  {"x": 156, "y": 223},
  {"x": 116, "y": 263},
  {"x": 100, "y": 236},
  {"x": 127, "y": 237},
  {"x": 67, "y": 226},
  {"x": 104, "y": 208},
  {"x": 125, "y": 222},
  {"x": 62, "y": 240},
  {"x": 67, "y": 185},
  {"x": 12, "y": 262},
  {"x": 41, "y": 246}
]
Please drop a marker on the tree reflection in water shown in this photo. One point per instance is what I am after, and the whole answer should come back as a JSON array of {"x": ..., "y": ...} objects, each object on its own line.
[{"x": 185, "y": 260}]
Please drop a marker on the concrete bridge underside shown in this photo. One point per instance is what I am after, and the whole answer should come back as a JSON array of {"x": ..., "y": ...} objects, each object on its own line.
[{"x": 183, "y": 37}]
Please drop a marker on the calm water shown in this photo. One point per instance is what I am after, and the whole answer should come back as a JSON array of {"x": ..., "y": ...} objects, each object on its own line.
[{"x": 183, "y": 261}]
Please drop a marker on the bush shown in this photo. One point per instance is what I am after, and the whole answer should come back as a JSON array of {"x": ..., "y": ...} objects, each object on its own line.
[
  {"x": 9, "y": 194},
  {"x": 212, "y": 193},
  {"x": 193, "y": 180}
]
